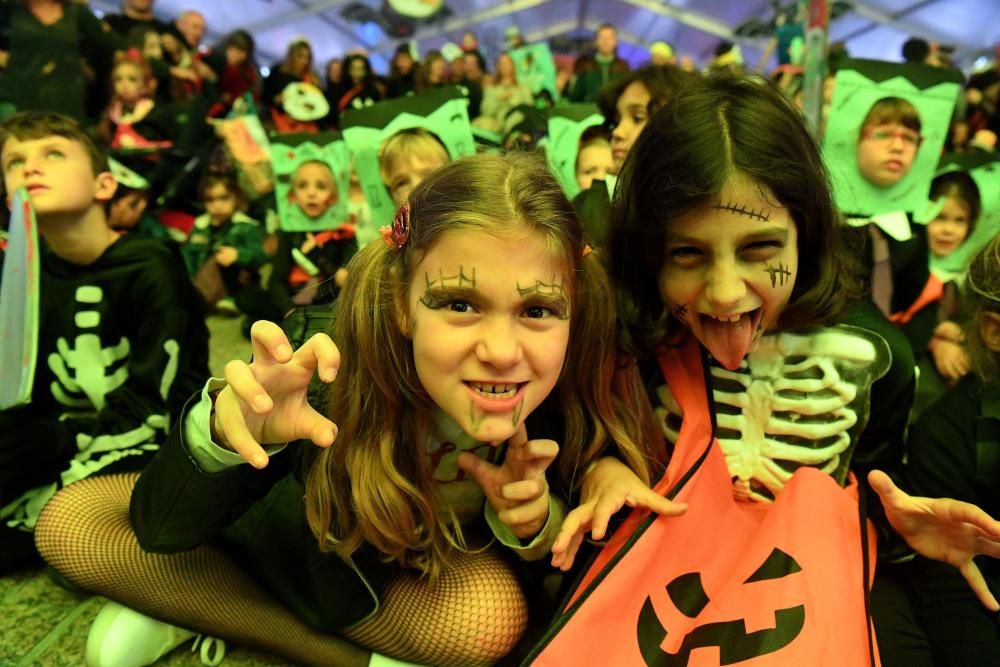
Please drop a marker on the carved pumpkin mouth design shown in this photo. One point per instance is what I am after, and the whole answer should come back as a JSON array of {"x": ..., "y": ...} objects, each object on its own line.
[{"x": 735, "y": 644}]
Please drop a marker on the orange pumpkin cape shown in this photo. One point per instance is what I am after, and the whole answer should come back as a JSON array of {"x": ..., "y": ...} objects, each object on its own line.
[{"x": 729, "y": 582}]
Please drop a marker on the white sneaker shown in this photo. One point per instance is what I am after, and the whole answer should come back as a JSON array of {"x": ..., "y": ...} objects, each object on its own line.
[{"x": 122, "y": 637}]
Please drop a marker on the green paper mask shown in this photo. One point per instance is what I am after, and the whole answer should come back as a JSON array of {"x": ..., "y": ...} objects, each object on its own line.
[
  {"x": 289, "y": 154},
  {"x": 984, "y": 168},
  {"x": 862, "y": 83},
  {"x": 443, "y": 112},
  {"x": 536, "y": 69},
  {"x": 566, "y": 125}
]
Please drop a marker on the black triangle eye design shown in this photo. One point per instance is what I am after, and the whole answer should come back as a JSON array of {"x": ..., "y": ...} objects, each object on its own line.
[{"x": 778, "y": 565}]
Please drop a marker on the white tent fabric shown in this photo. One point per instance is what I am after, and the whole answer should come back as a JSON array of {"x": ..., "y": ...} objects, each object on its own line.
[{"x": 870, "y": 28}]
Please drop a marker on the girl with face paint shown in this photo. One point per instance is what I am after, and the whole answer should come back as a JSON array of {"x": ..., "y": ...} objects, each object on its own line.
[
  {"x": 385, "y": 519},
  {"x": 724, "y": 240}
]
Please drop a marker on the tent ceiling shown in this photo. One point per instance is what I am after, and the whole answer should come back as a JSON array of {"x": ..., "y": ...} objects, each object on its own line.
[{"x": 871, "y": 28}]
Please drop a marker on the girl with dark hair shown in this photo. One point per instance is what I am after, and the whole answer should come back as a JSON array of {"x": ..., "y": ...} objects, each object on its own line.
[
  {"x": 453, "y": 332},
  {"x": 234, "y": 63},
  {"x": 357, "y": 87},
  {"x": 626, "y": 103},
  {"x": 402, "y": 73},
  {"x": 731, "y": 279}
]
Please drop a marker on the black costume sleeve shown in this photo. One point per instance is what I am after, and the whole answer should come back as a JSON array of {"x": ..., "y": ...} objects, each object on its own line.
[{"x": 176, "y": 506}]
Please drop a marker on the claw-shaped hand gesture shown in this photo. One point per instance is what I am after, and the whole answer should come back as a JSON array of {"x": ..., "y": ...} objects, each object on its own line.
[
  {"x": 265, "y": 402},
  {"x": 943, "y": 529},
  {"x": 517, "y": 489}
]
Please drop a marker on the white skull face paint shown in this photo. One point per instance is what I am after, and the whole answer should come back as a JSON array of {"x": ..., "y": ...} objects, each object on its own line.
[{"x": 730, "y": 269}]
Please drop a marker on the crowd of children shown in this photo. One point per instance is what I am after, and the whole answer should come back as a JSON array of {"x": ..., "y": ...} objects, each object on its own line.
[{"x": 711, "y": 344}]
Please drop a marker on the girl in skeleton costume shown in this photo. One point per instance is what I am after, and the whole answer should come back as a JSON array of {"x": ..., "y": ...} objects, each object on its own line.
[
  {"x": 452, "y": 333},
  {"x": 121, "y": 343},
  {"x": 762, "y": 397},
  {"x": 953, "y": 451}
]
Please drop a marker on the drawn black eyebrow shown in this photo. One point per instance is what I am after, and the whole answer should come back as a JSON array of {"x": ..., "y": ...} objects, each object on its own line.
[
  {"x": 543, "y": 289},
  {"x": 732, "y": 207},
  {"x": 551, "y": 295},
  {"x": 778, "y": 274},
  {"x": 459, "y": 280}
]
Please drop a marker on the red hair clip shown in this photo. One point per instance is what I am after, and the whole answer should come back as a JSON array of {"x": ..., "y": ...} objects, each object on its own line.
[{"x": 399, "y": 233}]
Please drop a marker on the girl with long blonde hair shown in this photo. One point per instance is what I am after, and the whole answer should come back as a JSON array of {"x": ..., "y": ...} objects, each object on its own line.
[{"x": 475, "y": 376}]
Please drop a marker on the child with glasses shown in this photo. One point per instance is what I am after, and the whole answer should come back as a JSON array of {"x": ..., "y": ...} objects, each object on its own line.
[{"x": 890, "y": 137}]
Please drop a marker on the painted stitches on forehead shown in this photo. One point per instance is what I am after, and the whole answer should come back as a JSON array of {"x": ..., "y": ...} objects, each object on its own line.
[
  {"x": 551, "y": 295},
  {"x": 734, "y": 207}
]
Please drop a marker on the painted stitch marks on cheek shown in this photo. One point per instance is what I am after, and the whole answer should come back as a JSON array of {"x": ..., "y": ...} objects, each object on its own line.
[
  {"x": 738, "y": 209},
  {"x": 680, "y": 311},
  {"x": 780, "y": 275}
]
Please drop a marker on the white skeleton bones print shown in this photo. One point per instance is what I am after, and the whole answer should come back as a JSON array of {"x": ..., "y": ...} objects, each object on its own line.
[
  {"x": 85, "y": 373},
  {"x": 799, "y": 399}
]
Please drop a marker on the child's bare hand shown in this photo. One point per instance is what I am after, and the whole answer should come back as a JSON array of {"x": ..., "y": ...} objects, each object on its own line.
[
  {"x": 517, "y": 489},
  {"x": 951, "y": 360},
  {"x": 226, "y": 255},
  {"x": 309, "y": 244},
  {"x": 607, "y": 487},
  {"x": 947, "y": 530},
  {"x": 340, "y": 277},
  {"x": 265, "y": 401}
]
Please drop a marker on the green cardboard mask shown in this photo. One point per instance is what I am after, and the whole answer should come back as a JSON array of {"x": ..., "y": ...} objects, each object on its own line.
[
  {"x": 566, "y": 125},
  {"x": 984, "y": 168},
  {"x": 536, "y": 69},
  {"x": 860, "y": 84},
  {"x": 443, "y": 112},
  {"x": 309, "y": 156}
]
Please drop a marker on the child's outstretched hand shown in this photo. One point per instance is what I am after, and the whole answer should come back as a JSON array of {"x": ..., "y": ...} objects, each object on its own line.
[
  {"x": 265, "y": 402},
  {"x": 607, "y": 486},
  {"x": 517, "y": 489},
  {"x": 943, "y": 529}
]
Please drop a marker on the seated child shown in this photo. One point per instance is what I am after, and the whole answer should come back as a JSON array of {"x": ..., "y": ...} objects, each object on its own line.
[
  {"x": 952, "y": 454},
  {"x": 313, "y": 263},
  {"x": 134, "y": 120},
  {"x": 594, "y": 160},
  {"x": 121, "y": 343},
  {"x": 127, "y": 211},
  {"x": 406, "y": 158},
  {"x": 932, "y": 320},
  {"x": 396, "y": 514},
  {"x": 225, "y": 251}
]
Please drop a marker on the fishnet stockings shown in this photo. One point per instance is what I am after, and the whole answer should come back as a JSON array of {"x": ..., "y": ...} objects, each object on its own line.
[{"x": 474, "y": 615}]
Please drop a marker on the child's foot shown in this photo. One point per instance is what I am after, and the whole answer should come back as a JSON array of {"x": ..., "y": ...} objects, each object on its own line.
[{"x": 122, "y": 637}]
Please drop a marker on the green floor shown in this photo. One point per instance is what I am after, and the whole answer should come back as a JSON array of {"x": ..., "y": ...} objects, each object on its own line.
[{"x": 43, "y": 624}]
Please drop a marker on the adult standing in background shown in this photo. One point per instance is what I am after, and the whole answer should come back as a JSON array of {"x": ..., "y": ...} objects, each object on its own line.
[
  {"x": 45, "y": 70},
  {"x": 135, "y": 21},
  {"x": 593, "y": 72}
]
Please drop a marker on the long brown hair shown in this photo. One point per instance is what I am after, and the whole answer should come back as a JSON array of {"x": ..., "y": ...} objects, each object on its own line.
[
  {"x": 982, "y": 295},
  {"x": 375, "y": 485}
]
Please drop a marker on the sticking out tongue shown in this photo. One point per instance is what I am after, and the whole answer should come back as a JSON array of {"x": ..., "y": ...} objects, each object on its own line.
[{"x": 728, "y": 342}]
